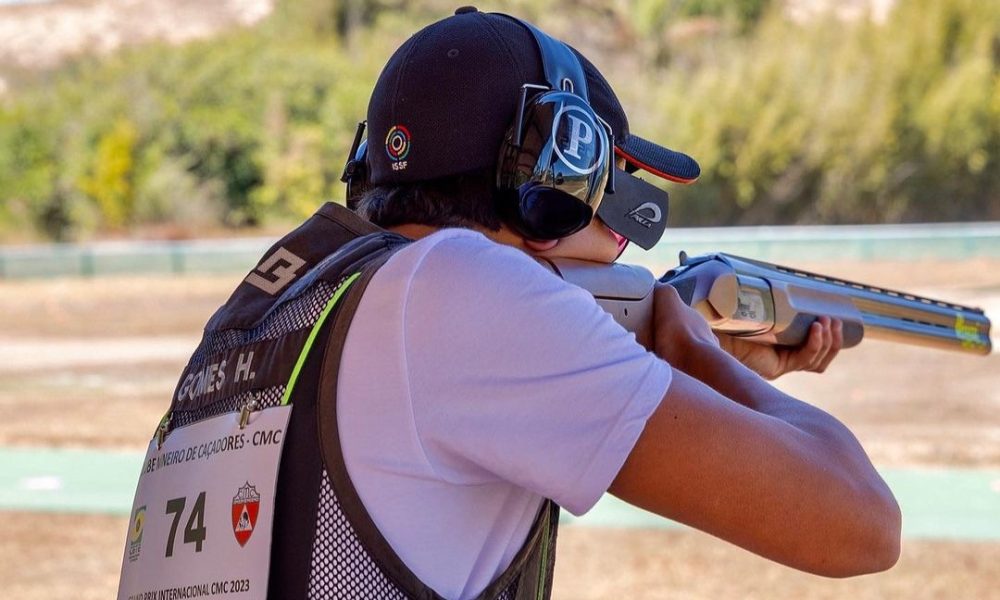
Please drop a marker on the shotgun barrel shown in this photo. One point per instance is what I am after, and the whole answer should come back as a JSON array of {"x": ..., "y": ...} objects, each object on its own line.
[{"x": 772, "y": 304}]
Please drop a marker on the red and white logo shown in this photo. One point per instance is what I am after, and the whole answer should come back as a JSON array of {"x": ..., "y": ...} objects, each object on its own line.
[{"x": 246, "y": 506}]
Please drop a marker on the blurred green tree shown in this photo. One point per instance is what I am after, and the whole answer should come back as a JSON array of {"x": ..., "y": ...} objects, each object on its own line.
[
  {"x": 824, "y": 121},
  {"x": 110, "y": 181}
]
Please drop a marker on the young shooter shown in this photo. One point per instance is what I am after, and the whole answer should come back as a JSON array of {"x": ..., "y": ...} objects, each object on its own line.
[{"x": 451, "y": 398}]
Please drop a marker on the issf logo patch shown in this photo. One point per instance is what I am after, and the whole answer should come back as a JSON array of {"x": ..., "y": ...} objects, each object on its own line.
[{"x": 397, "y": 146}]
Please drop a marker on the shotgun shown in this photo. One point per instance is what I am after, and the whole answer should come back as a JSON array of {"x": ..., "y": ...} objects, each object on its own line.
[{"x": 776, "y": 305}]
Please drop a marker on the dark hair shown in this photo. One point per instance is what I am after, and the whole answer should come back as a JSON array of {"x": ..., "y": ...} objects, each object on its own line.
[{"x": 464, "y": 200}]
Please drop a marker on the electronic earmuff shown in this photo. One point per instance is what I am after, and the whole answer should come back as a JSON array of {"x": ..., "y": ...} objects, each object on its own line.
[
  {"x": 356, "y": 170},
  {"x": 555, "y": 163}
]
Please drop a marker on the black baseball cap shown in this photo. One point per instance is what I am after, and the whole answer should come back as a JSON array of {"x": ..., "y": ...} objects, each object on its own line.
[{"x": 447, "y": 96}]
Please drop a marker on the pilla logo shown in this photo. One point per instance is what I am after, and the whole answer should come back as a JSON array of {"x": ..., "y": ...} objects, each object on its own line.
[
  {"x": 646, "y": 214},
  {"x": 577, "y": 141}
]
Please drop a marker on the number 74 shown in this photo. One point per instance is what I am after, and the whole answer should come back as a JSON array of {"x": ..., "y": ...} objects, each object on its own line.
[{"x": 195, "y": 530}]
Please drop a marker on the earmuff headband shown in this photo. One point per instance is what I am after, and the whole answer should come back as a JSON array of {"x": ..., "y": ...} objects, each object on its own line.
[
  {"x": 558, "y": 62},
  {"x": 556, "y": 162},
  {"x": 355, "y": 173}
]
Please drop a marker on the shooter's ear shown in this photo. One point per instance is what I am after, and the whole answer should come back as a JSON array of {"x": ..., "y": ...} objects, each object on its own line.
[{"x": 540, "y": 245}]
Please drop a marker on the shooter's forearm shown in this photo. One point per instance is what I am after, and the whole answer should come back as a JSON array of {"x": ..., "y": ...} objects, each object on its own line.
[{"x": 873, "y": 522}]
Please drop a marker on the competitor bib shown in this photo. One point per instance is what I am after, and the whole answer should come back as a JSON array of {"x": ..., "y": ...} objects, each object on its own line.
[{"x": 202, "y": 517}]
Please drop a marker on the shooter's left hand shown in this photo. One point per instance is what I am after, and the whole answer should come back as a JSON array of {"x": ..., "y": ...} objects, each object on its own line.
[{"x": 826, "y": 337}]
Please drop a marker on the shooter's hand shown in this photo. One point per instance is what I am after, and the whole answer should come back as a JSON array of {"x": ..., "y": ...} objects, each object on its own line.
[
  {"x": 826, "y": 337},
  {"x": 679, "y": 332}
]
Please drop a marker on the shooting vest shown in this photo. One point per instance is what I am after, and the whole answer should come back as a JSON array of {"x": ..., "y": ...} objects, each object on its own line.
[{"x": 281, "y": 336}]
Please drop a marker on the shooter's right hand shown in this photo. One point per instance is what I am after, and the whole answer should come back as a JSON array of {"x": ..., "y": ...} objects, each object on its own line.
[{"x": 678, "y": 330}]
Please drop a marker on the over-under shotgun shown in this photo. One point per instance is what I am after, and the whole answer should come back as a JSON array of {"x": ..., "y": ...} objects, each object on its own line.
[{"x": 772, "y": 304}]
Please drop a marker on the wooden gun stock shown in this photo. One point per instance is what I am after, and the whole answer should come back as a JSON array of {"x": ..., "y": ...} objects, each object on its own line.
[{"x": 776, "y": 305}]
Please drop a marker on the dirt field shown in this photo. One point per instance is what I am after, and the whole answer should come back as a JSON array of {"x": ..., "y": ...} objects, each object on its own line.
[
  {"x": 91, "y": 364},
  {"x": 68, "y": 556}
]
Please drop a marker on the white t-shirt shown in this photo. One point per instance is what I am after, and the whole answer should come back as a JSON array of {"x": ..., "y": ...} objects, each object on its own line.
[{"x": 475, "y": 383}]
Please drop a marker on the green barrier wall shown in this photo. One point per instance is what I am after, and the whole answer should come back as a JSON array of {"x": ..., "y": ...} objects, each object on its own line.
[
  {"x": 936, "y": 503},
  {"x": 775, "y": 244}
]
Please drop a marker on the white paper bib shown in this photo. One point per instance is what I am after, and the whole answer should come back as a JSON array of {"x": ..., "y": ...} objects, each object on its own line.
[{"x": 203, "y": 511}]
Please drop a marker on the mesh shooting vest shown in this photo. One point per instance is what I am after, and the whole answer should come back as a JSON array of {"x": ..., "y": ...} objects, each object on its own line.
[{"x": 292, "y": 313}]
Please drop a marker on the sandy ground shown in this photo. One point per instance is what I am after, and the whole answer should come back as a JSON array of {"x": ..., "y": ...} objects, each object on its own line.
[
  {"x": 91, "y": 363},
  {"x": 68, "y": 556}
]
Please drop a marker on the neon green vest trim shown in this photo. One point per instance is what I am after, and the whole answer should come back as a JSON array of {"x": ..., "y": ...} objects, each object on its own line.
[{"x": 312, "y": 336}]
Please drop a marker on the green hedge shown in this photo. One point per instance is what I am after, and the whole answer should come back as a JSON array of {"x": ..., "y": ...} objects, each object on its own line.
[{"x": 846, "y": 123}]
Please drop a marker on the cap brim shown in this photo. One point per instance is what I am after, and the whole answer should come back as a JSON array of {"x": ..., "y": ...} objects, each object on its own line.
[{"x": 662, "y": 162}]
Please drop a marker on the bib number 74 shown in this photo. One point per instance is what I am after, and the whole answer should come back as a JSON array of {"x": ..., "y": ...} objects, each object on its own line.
[
  {"x": 219, "y": 474},
  {"x": 195, "y": 530}
]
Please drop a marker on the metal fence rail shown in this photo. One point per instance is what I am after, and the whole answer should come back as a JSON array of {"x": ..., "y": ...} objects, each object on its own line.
[
  {"x": 132, "y": 258},
  {"x": 946, "y": 241}
]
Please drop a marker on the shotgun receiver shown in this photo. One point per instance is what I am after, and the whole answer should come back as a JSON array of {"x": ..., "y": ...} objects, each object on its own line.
[{"x": 776, "y": 305}]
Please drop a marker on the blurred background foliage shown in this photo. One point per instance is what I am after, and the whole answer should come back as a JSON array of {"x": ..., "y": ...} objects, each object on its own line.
[{"x": 820, "y": 120}]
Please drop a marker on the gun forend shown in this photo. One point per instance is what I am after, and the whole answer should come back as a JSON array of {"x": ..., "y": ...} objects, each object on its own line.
[{"x": 776, "y": 305}]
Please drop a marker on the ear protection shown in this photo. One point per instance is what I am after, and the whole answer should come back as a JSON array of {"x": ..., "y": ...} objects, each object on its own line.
[
  {"x": 556, "y": 162},
  {"x": 355, "y": 173}
]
